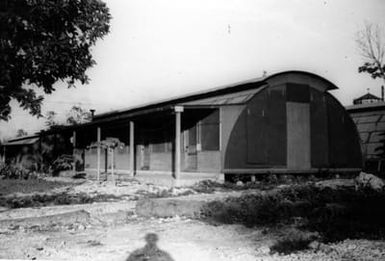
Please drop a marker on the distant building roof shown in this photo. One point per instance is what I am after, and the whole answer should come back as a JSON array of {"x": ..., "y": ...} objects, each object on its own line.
[
  {"x": 26, "y": 140},
  {"x": 367, "y": 98},
  {"x": 366, "y": 106}
]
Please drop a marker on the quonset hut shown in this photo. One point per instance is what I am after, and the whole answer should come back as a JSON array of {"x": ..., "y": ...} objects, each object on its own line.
[
  {"x": 369, "y": 117},
  {"x": 284, "y": 123}
]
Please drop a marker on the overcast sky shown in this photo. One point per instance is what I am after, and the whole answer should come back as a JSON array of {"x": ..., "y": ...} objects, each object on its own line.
[{"x": 158, "y": 49}]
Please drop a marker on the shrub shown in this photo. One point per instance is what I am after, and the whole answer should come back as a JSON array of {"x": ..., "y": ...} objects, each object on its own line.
[
  {"x": 15, "y": 171},
  {"x": 63, "y": 162},
  {"x": 335, "y": 214},
  {"x": 295, "y": 240}
]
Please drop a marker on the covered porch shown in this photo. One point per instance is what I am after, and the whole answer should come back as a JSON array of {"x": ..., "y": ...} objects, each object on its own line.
[{"x": 174, "y": 146}]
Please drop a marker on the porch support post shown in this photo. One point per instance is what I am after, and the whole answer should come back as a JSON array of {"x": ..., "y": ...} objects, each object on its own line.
[
  {"x": 98, "y": 139},
  {"x": 178, "y": 111},
  {"x": 4, "y": 156},
  {"x": 73, "y": 151},
  {"x": 132, "y": 149}
]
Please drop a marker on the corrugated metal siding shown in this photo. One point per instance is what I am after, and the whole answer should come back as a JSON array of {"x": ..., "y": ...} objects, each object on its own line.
[
  {"x": 257, "y": 129},
  {"x": 371, "y": 127},
  {"x": 319, "y": 130},
  {"x": 277, "y": 127},
  {"x": 262, "y": 128},
  {"x": 337, "y": 142},
  {"x": 344, "y": 148}
]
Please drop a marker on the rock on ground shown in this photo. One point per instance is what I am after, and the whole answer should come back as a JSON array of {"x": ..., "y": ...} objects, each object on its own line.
[{"x": 365, "y": 180}]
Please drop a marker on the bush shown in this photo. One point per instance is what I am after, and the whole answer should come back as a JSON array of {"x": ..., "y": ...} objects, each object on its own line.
[
  {"x": 335, "y": 214},
  {"x": 15, "y": 171},
  {"x": 38, "y": 200},
  {"x": 63, "y": 162},
  {"x": 294, "y": 240}
]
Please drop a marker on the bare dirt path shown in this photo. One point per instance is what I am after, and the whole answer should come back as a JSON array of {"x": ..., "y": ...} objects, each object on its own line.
[
  {"x": 112, "y": 231},
  {"x": 183, "y": 239}
]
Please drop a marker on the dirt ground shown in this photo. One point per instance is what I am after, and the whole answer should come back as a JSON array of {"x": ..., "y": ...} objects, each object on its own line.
[
  {"x": 113, "y": 231},
  {"x": 183, "y": 239}
]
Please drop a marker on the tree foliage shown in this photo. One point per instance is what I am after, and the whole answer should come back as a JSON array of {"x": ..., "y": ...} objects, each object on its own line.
[
  {"x": 50, "y": 119},
  {"x": 77, "y": 115},
  {"x": 45, "y": 41},
  {"x": 371, "y": 44},
  {"x": 21, "y": 133}
]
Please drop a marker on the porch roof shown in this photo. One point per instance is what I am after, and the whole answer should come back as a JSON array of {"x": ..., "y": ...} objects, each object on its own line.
[{"x": 21, "y": 141}]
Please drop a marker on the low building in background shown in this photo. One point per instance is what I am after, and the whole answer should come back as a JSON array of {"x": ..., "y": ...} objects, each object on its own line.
[{"x": 368, "y": 113}]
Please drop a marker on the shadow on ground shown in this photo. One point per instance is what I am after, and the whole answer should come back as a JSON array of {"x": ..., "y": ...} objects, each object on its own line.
[{"x": 150, "y": 252}]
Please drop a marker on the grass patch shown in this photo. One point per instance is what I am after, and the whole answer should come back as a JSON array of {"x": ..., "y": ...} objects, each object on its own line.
[
  {"x": 293, "y": 241},
  {"x": 9, "y": 186},
  {"x": 336, "y": 214},
  {"x": 165, "y": 193},
  {"x": 39, "y": 200}
]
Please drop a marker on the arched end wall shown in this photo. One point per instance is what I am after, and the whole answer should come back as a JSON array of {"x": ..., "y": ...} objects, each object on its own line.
[{"x": 293, "y": 124}]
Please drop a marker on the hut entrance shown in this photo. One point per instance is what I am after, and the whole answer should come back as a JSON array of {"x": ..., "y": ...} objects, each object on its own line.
[
  {"x": 191, "y": 156},
  {"x": 298, "y": 135}
]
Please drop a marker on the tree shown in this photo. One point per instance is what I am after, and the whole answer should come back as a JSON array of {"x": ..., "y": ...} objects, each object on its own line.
[
  {"x": 21, "y": 133},
  {"x": 43, "y": 42},
  {"x": 78, "y": 115},
  {"x": 371, "y": 44},
  {"x": 51, "y": 119}
]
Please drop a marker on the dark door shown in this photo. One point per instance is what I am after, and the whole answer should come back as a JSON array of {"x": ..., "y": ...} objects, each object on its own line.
[{"x": 191, "y": 159}]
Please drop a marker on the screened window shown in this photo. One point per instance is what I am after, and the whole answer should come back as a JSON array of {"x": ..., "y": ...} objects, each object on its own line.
[
  {"x": 161, "y": 142},
  {"x": 123, "y": 150},
  {"x": 209, "y": 131}
]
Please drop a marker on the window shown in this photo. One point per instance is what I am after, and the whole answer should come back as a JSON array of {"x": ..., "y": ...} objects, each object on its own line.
[
  {"x": 161, "y": 143},
  {"x": 209, "y": 132},
  {"x": 159, "y": 147},
  {"x": 123, "y": 150}
]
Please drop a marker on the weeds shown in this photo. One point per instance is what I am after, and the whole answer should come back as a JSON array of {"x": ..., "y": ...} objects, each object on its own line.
[
  {"x": 294, "y": 240},
  {"x": 63, "y": 162},
  {"x": 38, "y": 200},
  {"x": 335, "y": 214},
  {"x": 15, "y": 171}
]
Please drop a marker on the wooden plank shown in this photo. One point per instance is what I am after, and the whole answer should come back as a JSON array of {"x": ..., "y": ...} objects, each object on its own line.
[{"x": 298, "y": 135}]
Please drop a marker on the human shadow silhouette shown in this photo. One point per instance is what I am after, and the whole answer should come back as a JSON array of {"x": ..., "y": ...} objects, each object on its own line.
[{"x": 150, "y": 252}]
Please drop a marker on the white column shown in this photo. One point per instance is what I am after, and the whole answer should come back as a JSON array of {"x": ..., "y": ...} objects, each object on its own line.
[
  {"x": 132, "y": 149},
  {"x": 112, "y": 151},
  {"x": 178, "y": 112},
  {"x": 4, "y": 156},
  {"x": 98, "y": 139},
  {"x": 73, "y": 151}
]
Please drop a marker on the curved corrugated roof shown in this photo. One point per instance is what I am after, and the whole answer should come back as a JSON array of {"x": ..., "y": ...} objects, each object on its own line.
[{"x": 238, "y": 86}]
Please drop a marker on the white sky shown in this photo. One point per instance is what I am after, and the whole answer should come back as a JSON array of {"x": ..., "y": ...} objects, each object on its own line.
[{"x": 158, "y": 49}]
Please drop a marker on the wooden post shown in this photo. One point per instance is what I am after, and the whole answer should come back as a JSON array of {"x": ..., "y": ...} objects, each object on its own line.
[
  {"x": 132, "y": 149},
  {"x": 98, "y": 139},
  {"x": 73, "y": 151},
  {"x": 4, "y": 157},
  {"x": 112, "y": 151},
  {"x": 178, "y": 111}
]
